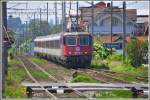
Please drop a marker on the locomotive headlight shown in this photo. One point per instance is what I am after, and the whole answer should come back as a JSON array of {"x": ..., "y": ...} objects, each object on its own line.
[
  {"x": 69, "y": 52},
  {"x": 77, "y": 48}
]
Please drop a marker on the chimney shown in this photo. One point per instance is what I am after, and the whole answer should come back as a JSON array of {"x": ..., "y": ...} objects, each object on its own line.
[{"x": 108, "y": 4}]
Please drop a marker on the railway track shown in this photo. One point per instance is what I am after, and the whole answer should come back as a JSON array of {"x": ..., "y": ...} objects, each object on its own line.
[
  {"x": 123, "y": 75},
  {"x": 27, "y": 62},
  {"x": 102, "y": 77}
]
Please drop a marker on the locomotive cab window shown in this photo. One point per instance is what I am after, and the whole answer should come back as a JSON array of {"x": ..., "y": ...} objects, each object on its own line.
[
  {"x": 84, "y": 40},
  {"x": 70, "y": 40}
]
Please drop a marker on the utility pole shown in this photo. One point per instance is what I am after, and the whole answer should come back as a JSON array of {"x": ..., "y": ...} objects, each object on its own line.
[
  {"x": 34, "y": 27},
  {"x": 77, "y": 16},
  {"x": 40, "y": 21},
  {"x": 47, "y": 19},
  {"x": 63, "y": 16},
  {"x": 92, "y": 15},
  {"x": 70, "y": 8},
  {"x": 26, "y": 35},
  {"x": 56, "y": 19},
  {"x": 124, "y": 29},
  {"x": 111, "y": 18}
]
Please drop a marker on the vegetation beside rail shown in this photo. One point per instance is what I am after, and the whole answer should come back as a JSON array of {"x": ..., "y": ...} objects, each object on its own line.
[
  {"x": 83, "y": 78},
  {"x": 16, "y": 74},
  {"x": 104, "y": 58},
  {"x": 113, "y": 94}
]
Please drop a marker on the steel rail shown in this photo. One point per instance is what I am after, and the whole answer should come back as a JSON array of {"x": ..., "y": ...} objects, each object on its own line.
[
  {"x": 123, "y": 81},
  {"x": 76, "y": 91},
  {"x": 49, "y": 94}
]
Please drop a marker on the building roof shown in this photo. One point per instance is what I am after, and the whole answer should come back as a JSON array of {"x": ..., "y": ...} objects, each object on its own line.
[
  {"x": 107, "y": 38},
  {"x": 140, "y": 38}
]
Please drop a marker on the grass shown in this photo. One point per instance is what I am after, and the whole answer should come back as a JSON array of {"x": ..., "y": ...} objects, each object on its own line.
[
  {"x": 38, "y": 74},
  {"x": 84, "y": 78},
  {"x": 12, "y": 86},
  {"x": 128, "y": 69},
  {"x": 38, "y": 60},
  {"x": 52, "y": 71},
  {"x": 117, "y": 66},
  {"x": 113, "y": 94},
  {"x": 98, "y": 64}
]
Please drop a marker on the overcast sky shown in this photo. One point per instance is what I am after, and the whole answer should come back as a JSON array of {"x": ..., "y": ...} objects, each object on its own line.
[{"x": 141, "y": 6}]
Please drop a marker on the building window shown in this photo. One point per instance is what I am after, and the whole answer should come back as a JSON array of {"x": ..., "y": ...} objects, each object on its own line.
[{"x": 115, "y": 21}]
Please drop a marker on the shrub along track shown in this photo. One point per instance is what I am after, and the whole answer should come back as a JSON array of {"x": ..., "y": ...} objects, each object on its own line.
[
  {"x": 28, "y": 64},
  {"x": 123, "y": 75},
  {"x": 102, "y": 77}
]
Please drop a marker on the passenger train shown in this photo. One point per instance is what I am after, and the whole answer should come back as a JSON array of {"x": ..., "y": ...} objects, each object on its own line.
[{"x": 70, "y": 48}]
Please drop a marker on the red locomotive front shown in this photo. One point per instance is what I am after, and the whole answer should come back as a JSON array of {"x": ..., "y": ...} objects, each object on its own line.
[{"x": 78, "y": 48}]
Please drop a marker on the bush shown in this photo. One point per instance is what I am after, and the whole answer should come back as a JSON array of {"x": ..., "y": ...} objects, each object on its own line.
[
  {"x": 116, "y": 57},
  {"x": 100, "y": 52},
  {"x": 99, "y": 64},
  {"x": 84, "y": 78},
  {"x": 136, "y": 51}
]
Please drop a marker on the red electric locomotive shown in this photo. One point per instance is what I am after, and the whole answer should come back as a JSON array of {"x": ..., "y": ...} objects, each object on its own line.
[{"x": 70, "y": 48}]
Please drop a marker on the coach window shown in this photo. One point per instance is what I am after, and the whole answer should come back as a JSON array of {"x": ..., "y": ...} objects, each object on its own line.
[
  {"x": 84, "y": 40},
  {"x": 70, "y": 40}
]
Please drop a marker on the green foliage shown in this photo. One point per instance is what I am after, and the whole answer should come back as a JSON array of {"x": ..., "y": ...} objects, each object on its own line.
[
  {"x": 11, "y": 35},
  {"x": 84, "y": 78},
  {"x": 100, "y": 52},
  {"x": 128, "y": 69},
  {"x": 38, "y": 28},
  {"x": 38, "y": 60},
  {"x": 117, "y": 57},
  {"x": 136, "y": 51},
  {"x": 113, "y": 94},
  {"x": 38, "y": 74},
  {"x": 96, "y": 63},
  {"x": 55, "y": 29},
  {"x": 16, "y": 74}
]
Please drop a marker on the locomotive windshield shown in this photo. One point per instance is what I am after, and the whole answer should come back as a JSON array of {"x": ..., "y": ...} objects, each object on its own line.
[
  {"x": 84, "y": 40},
  {"x": 70, "y": 40}
]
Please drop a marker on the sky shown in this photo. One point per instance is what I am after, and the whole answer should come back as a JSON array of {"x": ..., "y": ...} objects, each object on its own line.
[{"x": 141, "y": 6}]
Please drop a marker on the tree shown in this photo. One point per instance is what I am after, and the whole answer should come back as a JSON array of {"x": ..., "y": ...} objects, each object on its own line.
[
  {"x": 100, "y": 52},
  {"x": 38, "y": 29},
  {"x": 136, "y": 51}
]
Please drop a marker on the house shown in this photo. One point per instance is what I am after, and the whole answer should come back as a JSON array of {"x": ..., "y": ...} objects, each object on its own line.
[
  {"x": 142, "y": 21},
  {"x": 102, "y": 19}
]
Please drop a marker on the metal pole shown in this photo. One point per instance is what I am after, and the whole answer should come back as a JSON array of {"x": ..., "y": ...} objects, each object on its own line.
[
  {"x": 124, "y": 28},
  {"x": 34, "y": 27},
  {"x": 111, "y": 18},
  {"x": 1, "y": 49},
  {"x": 56, "y": 19},
  {"x": 47, "y": 18},
  {"x": 40, "y": 21},
  {"x": 77, "y": 16},
  {"x": 26, "y": 35},
  {"x": 92, "y": 15},
  {"x": 62, "y": 16},
  {"x": 65, "y": 15}
]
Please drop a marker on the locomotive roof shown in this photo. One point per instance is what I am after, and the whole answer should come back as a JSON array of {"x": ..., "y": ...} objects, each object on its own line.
[
  {"x": 57, "y": 36},
  {"x": 76, "y": 33}
]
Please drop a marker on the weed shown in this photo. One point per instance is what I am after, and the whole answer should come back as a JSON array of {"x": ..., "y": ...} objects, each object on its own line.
[
  {"x": 113, "y": 94},
  {"x": 38, "y": 60},
  {"x": 84, "y": 78}
]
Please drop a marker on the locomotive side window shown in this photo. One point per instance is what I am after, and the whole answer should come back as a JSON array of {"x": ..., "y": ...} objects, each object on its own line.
[
  {"x": 84, "y": 40},
  {"x": 70, "y": 40}
]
